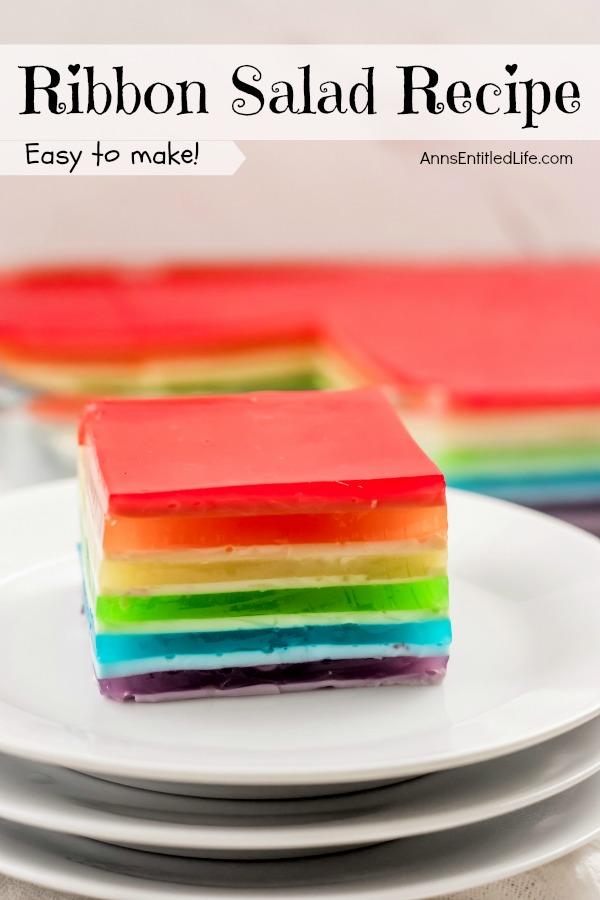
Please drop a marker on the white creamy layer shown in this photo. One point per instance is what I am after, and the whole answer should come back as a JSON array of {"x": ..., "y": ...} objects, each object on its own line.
[
  {"x": 254, "y": 364},
  {"x": 312, "y": 653},
  {"x": 439, "y": 432}
]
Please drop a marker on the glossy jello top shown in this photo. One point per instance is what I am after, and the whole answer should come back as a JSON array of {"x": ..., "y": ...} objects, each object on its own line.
[
  {"x": 482, "y": 335},
  {"x": 132, "y": 315},
  {"x": 272, "y": 451}
]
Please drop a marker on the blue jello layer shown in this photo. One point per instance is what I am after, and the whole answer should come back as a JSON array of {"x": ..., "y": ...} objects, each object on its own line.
[
  {"x": 117, "y": 647},
  {"x": 543, "y": 488},
  {"x": 126, "y": 654}
]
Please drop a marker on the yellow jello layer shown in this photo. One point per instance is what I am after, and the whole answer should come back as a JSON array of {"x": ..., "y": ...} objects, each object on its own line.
[
  {"x": 123, "y": 577},
  {"x": 498, "y": 429}
]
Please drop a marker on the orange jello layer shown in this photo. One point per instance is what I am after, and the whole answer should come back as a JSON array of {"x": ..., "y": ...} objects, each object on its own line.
[{"x": 125, "y": 534}]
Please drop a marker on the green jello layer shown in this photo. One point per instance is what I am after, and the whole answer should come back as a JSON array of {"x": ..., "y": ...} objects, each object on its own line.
[
  {"x": 525, "y": 458},
  {"x": 428, "y": 594},
  {"x": 300, "y": 381}
]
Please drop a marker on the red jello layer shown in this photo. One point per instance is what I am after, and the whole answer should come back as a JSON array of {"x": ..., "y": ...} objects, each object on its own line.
[
  {"x": 130, "y": 315},
  {"x": 250, "y": 454}
]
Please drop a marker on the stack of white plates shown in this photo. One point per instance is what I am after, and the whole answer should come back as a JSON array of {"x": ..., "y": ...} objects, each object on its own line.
[{"x": 364, "y": 794}]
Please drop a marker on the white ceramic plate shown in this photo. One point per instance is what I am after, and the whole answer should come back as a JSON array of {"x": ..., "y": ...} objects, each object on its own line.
[
  {"x": 400, "y": 870},
  {"x": 525, "y": 666},
  {"x": 62, "y": 800}
]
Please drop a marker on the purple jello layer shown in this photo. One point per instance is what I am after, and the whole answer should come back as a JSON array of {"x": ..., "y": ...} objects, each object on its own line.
[{"x": 237, "y": 682}]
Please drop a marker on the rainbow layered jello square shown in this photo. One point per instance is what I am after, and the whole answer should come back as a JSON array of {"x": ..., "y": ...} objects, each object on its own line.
[{"x": 260, "y": 543}]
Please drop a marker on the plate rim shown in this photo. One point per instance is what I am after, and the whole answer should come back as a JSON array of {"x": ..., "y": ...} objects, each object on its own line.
[
  {"x": 50, "y": 872},
  {"x": 153, "y": 834}
]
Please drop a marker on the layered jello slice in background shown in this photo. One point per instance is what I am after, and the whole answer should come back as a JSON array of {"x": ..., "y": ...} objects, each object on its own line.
[
  {"x": 260, "y": 543},
  {"x": 496, "y": 371}
]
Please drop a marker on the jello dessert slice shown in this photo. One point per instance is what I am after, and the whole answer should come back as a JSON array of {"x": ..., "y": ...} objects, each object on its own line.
[
  {"x": 497, "y": 372},
  {"x": 260, "y": 543}
]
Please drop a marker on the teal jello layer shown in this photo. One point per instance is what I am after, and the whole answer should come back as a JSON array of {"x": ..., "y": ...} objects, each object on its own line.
[
  {"x": 117, "y": 647},
  {"x": 529, "y": 488},
  {"x": 126, "y": 654}
]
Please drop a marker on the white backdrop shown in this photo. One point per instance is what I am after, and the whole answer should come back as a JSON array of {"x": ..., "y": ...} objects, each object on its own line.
[{"x": 308, "y": 199}]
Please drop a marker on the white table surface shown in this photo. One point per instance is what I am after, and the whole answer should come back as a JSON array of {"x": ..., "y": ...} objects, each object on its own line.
[{"x": 574, "y": 877}]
